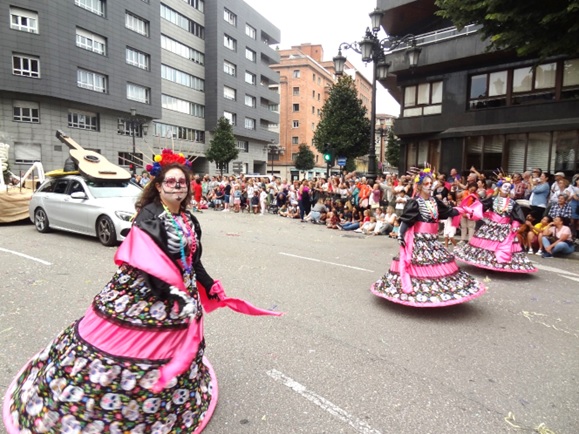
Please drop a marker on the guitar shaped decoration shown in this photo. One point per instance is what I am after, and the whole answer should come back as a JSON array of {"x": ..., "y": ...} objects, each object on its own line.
[{"x": 92, "y": 164}]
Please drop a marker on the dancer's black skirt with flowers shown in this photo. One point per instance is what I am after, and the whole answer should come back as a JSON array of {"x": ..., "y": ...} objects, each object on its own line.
[
  {"x": 73, "y": 387},
  {"x": 436, "y": 279}
]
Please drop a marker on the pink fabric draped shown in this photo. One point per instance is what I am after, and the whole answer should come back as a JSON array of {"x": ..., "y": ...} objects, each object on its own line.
[
  {"x": 128, "y": 342},
  {"x": 475, "y": 209},
  {"x": 497, "y": 218},
  {"x": 141, "y": 252},
  {"x": 406, "y": 252},
  {"x": 504, "y": 249},
  {"x": 451, "y": 302},
  {"x": 440, "y": 270}
]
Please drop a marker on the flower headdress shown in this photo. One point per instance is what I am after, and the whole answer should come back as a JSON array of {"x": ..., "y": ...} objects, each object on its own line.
[
  {"x": 503, "y": 178},
  {"x": 420, "y": 174},
  {"x": 167, "y": 156}
]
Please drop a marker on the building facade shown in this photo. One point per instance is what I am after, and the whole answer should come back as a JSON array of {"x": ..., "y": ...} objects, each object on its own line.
[
  {"x": 305, "y": 82},
  {"x": 82, "y": 66},
  {"x": 464, "y": 106}
]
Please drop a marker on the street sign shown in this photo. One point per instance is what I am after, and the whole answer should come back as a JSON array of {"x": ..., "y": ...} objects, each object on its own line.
[{"x": 342, "y": 161}]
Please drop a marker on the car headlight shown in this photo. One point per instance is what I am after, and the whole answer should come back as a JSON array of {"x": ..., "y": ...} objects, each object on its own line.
[{"x": 123, "y": 215}]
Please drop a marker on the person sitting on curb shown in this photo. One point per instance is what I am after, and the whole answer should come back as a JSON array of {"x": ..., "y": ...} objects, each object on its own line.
[{"x": 556, "y": 239}]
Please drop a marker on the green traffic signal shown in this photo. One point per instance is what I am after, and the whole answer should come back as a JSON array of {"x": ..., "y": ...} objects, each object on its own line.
[{"x": 327, "y": 157}]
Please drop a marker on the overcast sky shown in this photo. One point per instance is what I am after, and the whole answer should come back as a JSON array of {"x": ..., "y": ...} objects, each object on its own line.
[{"x": 329, "y": 23}]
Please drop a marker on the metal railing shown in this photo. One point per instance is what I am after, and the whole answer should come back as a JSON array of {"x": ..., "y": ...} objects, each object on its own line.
[{"x": 439, "y": 35}]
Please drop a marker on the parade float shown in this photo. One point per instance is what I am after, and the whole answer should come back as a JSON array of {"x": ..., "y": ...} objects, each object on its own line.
[{"x": 16, "y": 190}]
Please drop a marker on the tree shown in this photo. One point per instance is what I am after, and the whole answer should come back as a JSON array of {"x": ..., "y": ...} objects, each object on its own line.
[
  {"x": 222, "y": 147},
  {"x": 393, "y": 149},
  {"x": 344, "y": 125},
  {"x": 530, "y": 27},
  {"x": 305, "y": 159}
]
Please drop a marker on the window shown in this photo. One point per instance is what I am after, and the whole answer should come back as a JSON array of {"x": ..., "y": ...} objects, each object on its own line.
[
  {"x": 91, "y": 80},
  {"x": 296, "y": 107},
  {"x": 295, "y": 124},
  {"x": 230, "y": 43},
  {"x": 231, "y": 117},
  {"x": 313, "y": 127},
  {"x": 250, "y": 54},
  {"x": 570, "y": 79},
  {"x": 229, "y": 93},
  {"x": 136, "y": 24},
  {"x": 295, "y": 140},
  {"x": 230, "y": 17},
  {"x": 197, "y": 4},
  {"x": 91, "y": 41},
  {"x": 296, "y": 73},
  {"x": 314, "y": 77},
  {"x": 250, "y": 78},
  {"x": 137, "y": 58},
  {"x": 182, "y": 78},
  {"x": 27, "y": 153},
  {"x": 250, "y": 101},
  {"x": 183, "y": 133},
  {"x": 95, "y": 6},
  {"x": 182, "y": 50},
  {"x": 23, "y": 20},
  {"x": 530, "y": 85},
  {"x": 313, "y": 110},
  {"x": 182, "y": 106},
  {"x": 243, "y": 145},
  {"x": 249, "y": 124},
  {"x": 229, "y": 68},
  {"x": 26, "y": 66},
  {"x": 83, "y": 120},
  {"x": 182, "y": 21},
  {"x": 488, "y": 90},
  {"x": 138, "y": 93},
  {"x": 26, "y": 111},
  {"x": 296, "y": 91},
  {"x": 313, "y": 94},
  {"x": 125, "y": 128},
  {"x": 318, "y": 96},
  {"x": 423, "y": 99},
  {"x": 250, "y": 31}
]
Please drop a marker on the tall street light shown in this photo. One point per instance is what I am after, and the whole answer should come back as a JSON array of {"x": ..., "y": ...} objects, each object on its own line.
[
  {"x": 373, "y": 49},
  {"x": 134, "y": 125},
  {"x": 274, "y": 149}
]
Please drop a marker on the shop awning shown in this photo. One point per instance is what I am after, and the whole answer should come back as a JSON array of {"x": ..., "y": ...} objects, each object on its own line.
[{"x": 511, "y": 128}]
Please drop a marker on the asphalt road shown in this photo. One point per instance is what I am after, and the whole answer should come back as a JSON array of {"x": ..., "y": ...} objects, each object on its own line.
[{"x": 340, "y": 360}]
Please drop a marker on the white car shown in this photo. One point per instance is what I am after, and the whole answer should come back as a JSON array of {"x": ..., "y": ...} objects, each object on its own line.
[{"x": 72, "y": 203}]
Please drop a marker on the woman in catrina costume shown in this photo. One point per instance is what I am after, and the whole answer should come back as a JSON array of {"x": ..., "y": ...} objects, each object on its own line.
[
  {"x": 494, "y": 246},
  {"x": 425, "y": 274},
  {"x": 135, "y": 362}
]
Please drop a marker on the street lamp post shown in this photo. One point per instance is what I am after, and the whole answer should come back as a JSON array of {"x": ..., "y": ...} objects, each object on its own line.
[
  {"x": 274, "y": 149},
  {"x": 373, "y": 49},
  {"x": 134, "y": 125}
]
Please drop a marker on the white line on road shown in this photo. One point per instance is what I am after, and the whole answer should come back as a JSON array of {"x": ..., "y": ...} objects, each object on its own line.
[
  {"x": 25, "y": 256},
  {"x": 576, "y": 279},
  {"x": 325, "y": 262},
  {"x": 554, "y": 270},
  {"x": 359, "y": 425}
]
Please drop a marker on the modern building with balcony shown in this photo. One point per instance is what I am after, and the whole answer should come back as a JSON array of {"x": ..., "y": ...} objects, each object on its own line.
[
  {"x": 91, "y": 68},
  {"x": 465, "y": 106}
]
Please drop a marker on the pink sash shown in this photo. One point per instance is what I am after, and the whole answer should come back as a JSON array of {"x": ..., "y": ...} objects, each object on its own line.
[{"x": 141, "y": 252}]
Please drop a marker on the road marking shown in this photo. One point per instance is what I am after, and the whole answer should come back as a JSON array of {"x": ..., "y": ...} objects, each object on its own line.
[
  {"x": 576, "y": 279},
  {"x": 25, "y": 256},
  {"x": 325, "y": 262},
  {"x": 554, "y": 270},
  {"x": 359, "y": 425}
]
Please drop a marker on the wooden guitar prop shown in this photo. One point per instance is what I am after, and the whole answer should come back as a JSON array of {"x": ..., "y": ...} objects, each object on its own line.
[{"x": 92, "y": 164}]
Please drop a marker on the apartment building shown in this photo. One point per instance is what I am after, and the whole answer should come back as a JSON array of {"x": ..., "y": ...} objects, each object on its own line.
[
  {"x": 305, "y": 83},
  {"x": 82, "y": 66},
  {"x": 464, "y": 106}
]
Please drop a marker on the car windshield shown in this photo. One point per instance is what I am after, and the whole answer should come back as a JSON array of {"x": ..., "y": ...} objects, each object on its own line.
[{"x": 106, "y": 189}]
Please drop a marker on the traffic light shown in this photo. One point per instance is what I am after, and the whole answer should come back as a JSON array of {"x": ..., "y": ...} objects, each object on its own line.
[{"x": 328, "y": 157}]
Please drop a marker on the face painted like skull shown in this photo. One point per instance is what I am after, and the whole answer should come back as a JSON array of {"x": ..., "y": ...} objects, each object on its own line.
[
  {"x": 180, "y": 396},
  {"x": 151, "y": 405},
  {"x": 111, "y": 401}
]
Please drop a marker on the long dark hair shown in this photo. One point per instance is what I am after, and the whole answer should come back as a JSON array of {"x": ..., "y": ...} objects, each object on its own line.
[{"x": 151, "y": 194}]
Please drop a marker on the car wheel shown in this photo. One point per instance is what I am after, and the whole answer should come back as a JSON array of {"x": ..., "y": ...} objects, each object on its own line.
[
  {"x": 41, "y": 221},
  {"x": 105, "y": 230}
]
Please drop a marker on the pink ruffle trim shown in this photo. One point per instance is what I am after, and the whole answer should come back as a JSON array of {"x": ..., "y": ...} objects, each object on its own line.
[
  {"x": 450, "y": 302},
  {"x": 492, "y": 245},
  {"x": 502, "y": 270},
  {"x": 425, "y": 271}
]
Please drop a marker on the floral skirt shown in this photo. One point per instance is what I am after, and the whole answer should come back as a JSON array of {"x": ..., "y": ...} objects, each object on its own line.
[
  {"x": 481, "y": 250},
  {"x": 72, "y": 387},
  {"x": 436, "y": 279}
]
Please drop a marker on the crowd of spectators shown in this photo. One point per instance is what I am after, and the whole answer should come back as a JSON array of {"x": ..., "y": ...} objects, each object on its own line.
[{"x": 373, "y": 207}]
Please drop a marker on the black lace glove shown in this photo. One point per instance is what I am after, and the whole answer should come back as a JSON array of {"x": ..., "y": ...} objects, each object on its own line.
[
  {"x": 401, "y": 241},
  {"x": 186, "y": 304}
]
